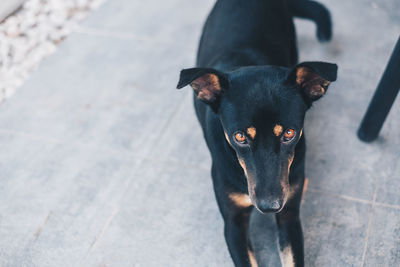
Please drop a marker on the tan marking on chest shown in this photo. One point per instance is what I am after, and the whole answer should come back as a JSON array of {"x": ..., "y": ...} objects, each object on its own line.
[
  {"x": 252, "y": 258},
  {"x": 286, "y": 256},
  {"x": 251, "y": 131},
  {"x": 278, "y": 129},
  {"x": 240, "y": 200}
]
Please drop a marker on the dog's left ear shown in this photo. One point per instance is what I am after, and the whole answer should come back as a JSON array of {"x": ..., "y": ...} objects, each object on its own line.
[
  {"x": 313, "y": 78},
  {"x": 208, "y": 84}
]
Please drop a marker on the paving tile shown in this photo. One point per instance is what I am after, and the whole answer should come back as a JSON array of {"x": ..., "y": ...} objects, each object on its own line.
[
  {"x": 336, "y": 161},
  {"x": 99, "y": 90},
  {"x": 169, "y": 219},
  {"x": 334, "y": 230},
  {"x": 187, "y": 145},
  {"x": 383, "y": 243},
  {"x": 54, "y": 207}
]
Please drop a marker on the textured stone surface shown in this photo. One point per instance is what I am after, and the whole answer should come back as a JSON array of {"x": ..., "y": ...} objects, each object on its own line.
[
  {"x": 103, "y": 162},
  {"x": 384, "y": 248},
  {"x": 33, "y": 32}
]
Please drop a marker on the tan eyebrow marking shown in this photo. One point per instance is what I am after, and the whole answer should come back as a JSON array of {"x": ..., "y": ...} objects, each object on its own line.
[
  {"x": 278, "y": 129},
  {"x": 251, "y": 131},
  {"x": 240, "y": 200}
]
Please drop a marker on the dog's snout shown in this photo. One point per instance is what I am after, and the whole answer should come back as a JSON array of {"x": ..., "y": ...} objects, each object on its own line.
[
  {"x": 266, "y": 206},
  {"x": 268, "y": 199}
]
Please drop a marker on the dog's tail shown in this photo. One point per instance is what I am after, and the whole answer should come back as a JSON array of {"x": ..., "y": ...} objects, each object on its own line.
[{"x": 316, "y": 12}]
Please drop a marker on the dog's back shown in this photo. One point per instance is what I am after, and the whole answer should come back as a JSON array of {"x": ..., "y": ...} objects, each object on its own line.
[{"x": 257, "y": 32}]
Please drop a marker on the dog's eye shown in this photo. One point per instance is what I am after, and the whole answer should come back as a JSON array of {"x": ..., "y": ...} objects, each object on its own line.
[
  {"x": 240, "y": 138},
  {"x": 289, "y": 134}
]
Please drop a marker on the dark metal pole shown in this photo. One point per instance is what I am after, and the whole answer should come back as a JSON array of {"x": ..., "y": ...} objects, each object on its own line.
[{"x": 383, "y": 99}]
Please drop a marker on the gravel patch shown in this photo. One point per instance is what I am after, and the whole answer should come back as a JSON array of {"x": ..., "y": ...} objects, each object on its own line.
[{"x": 32, "y": 33}]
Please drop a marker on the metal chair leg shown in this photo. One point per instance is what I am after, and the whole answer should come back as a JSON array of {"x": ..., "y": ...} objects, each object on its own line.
[{"x": 383, "y": 99}]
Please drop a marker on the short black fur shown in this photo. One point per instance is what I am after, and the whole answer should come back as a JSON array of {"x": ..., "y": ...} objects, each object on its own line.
[{"x": 251, "y": 99}]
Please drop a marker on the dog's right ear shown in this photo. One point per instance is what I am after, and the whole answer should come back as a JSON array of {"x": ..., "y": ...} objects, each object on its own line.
[
  {"x": 208, "y": 84},
  {"x": 313, "y": 78}
]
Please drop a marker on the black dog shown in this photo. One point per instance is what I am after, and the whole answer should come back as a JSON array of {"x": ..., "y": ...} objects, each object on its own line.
[{"x": 251, "y": 99}]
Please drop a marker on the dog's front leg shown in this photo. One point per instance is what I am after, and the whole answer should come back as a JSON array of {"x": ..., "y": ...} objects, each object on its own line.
[
  {"x": 290, "y": 237},
  {"x": 236, "y": 236},
  {"x": 235, "y": 207}
]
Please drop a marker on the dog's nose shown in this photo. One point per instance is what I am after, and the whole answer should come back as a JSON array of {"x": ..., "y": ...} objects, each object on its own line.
[{"x": 268, "y": 206}]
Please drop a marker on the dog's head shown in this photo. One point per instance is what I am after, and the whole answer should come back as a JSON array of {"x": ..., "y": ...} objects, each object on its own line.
[{"x": 262, "y": 111}]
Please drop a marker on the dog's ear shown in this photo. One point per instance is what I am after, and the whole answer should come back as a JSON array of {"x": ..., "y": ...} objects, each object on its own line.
[
  {"x": 313, "y": 78},
  {"x": 208, "y": 84}
]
